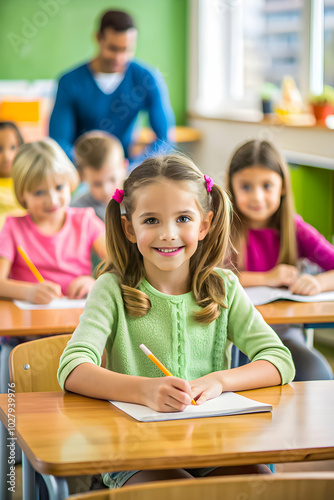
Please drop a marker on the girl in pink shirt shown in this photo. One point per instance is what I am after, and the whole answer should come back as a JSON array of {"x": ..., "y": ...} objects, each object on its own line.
[
  {"x": 58, "y": 239},
  {"x": 269, "y": 238}
]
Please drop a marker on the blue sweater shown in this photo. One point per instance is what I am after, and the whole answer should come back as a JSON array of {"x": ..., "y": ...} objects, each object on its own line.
[{"x": 81, "y": 106}]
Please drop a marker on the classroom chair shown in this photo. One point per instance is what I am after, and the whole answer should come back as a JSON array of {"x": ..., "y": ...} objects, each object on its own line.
[
  {"x": 276, "y": 487},
  {"x": 33, "y": 365}
]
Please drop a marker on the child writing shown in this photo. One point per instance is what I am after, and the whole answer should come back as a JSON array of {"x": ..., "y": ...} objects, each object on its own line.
[
  {"x": 269, "y": 238},
  {"x": 10, "y": 140},
  {"x": 160, "y": 287},
  {"x": 101, "y": 164},
  {"x": 58, "y": 239}
]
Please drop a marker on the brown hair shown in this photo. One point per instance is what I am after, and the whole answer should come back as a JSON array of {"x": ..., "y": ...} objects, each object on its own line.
[
  {"x": 35, "y": 160},
  {"x": 125, "y": 260},
  {"x": 116, "y": 20},
  {"x": 14, "y": 128},
  {"x": 92, "y": 149},
  {"x": 263, "y": 153}
]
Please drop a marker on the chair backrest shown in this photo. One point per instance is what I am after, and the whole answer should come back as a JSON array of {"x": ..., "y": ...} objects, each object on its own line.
[
  {"x": 33, "y": 365},
  {"x": 269, "y": 487}
]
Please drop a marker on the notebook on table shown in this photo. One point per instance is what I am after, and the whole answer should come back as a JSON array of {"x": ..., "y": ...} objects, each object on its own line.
[
  {"x": 62, "y": 303},
  {"x": 227, "y": 403},
  {"x": 260, "y": 295}
]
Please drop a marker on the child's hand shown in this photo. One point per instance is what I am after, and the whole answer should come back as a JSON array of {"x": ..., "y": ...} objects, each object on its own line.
[
  {"x": 206, "y": 387},
  {"x": 167, "y": 394},
  {"x": 44, "y": 293},
  {"x": 80, "y": 287},
  {"x": 306, "y": 284},
  {"x": 282, "y": 275}
]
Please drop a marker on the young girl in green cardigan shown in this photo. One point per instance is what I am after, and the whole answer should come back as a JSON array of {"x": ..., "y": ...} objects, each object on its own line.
[{"x": 165, "y": 234}]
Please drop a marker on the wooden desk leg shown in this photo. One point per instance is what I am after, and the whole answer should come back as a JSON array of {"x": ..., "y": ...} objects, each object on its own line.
[
  {"x": 28, "y": 479},
  {"x": 4, "y": 465},
  {"x": 57, "y": 487}
]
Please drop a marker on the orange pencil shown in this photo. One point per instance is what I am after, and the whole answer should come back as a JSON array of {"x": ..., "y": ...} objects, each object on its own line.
[
  {"x": 158, "y": 363},
  {"x": 30, "y": 264}
]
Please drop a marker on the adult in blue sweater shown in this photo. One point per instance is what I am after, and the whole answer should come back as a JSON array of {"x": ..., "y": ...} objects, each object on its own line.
[{"x": 108, "y": 92}]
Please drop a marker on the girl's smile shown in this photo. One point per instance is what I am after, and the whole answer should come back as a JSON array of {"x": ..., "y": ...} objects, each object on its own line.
[
  {"x": 257, "y": 191},
  {"x": 169, "y": 251}
]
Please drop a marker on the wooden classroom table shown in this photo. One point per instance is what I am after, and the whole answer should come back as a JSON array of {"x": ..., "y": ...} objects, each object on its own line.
[
  {"x": 287, "y": 311},
  {"x": 67, "y": 434},
  {"x": 16, "y": 322}
]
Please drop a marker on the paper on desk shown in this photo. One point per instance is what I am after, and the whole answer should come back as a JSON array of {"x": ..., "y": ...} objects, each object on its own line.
[
  {"x": 227, "y": 403},
  {"x": 264, "y": 294},
  {"x": 63, "y": 303}
]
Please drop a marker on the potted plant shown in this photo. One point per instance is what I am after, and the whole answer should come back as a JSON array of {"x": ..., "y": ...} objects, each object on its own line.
[
  {"x": 268, "y": 94},
  {"x": 322, "y": 104}
]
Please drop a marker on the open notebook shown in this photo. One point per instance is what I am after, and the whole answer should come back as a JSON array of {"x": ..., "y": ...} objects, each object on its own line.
[
  {"x": 63, "y": 303},
  {"x": 227, "y": 403},
  {"x": 264, "y": 294}
]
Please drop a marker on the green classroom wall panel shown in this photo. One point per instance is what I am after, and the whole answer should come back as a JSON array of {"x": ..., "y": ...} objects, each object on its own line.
[
  {"x": 313, "y": 194},
  {"x": 41, "y": 39}
]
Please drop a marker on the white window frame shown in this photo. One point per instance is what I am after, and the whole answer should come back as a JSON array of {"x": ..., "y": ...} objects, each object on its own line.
[{"x": 227, "y": 88}]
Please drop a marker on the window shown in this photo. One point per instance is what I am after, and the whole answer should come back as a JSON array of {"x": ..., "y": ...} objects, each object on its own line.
[
  {"x": 244, "y": 43},
  {"x": 329, "y": 42}
]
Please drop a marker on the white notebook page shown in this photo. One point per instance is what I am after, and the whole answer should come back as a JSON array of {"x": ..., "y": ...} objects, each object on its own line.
[{"x": 227, "y": 403}]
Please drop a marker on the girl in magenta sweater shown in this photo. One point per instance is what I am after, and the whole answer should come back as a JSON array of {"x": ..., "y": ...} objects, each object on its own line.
[{"x": 269, "y": 239}]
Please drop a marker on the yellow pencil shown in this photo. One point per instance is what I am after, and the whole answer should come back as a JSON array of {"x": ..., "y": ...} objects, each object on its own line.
[
  {"x": 158, "y": 363},
  {"x": 30, "y": 264}
]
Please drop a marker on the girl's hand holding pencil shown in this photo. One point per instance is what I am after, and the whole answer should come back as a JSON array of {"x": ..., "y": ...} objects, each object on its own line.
[
  {"x": 44, "y": 291},
  {"x": 167, "y": 394},
  {"x": 171, "y": 393}
]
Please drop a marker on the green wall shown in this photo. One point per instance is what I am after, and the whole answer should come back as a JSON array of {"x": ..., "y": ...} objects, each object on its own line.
[
  {"x": 313, "y": 190},
  {"x": 43, "y": 38}
]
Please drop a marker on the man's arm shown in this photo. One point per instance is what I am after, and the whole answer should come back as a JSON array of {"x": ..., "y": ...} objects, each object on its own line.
[{"x": 62, "y": 121}]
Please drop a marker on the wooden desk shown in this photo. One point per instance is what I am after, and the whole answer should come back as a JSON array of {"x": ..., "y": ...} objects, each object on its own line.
[
  {"x": 66, "y": 434},
  {"x": 287, "y": 311},
  {"x": 14, "y": 321}
]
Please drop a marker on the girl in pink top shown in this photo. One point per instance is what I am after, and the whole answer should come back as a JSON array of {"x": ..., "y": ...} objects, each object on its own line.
[
  {"x": 58, "y": 239},
  {"x": 269, "y": 238}
]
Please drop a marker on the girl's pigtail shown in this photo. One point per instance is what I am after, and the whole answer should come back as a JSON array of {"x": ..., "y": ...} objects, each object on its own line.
[
  {"x": 124, "y": 259},
  {"x": 208, "y": 286},
  {"x": 116, "y": 241}
]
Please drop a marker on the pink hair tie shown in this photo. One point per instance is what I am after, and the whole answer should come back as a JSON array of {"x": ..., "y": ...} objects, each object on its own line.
[
  {"x": 118, "y": 195},
  {"x": 209, "y": 183}
]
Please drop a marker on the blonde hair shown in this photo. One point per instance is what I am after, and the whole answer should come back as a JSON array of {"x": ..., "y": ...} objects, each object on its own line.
[
  {"x": 35, "y": 161},
  {"x": 125, "y": 260},
  {"x": 263, "y": 153},
  {"x": 93, "y": 148}
]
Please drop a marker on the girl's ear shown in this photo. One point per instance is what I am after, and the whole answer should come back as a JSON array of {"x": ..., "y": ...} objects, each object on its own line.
[
  {"x": 205, "y": 226},
  {"x": 128, "y": 229}
]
